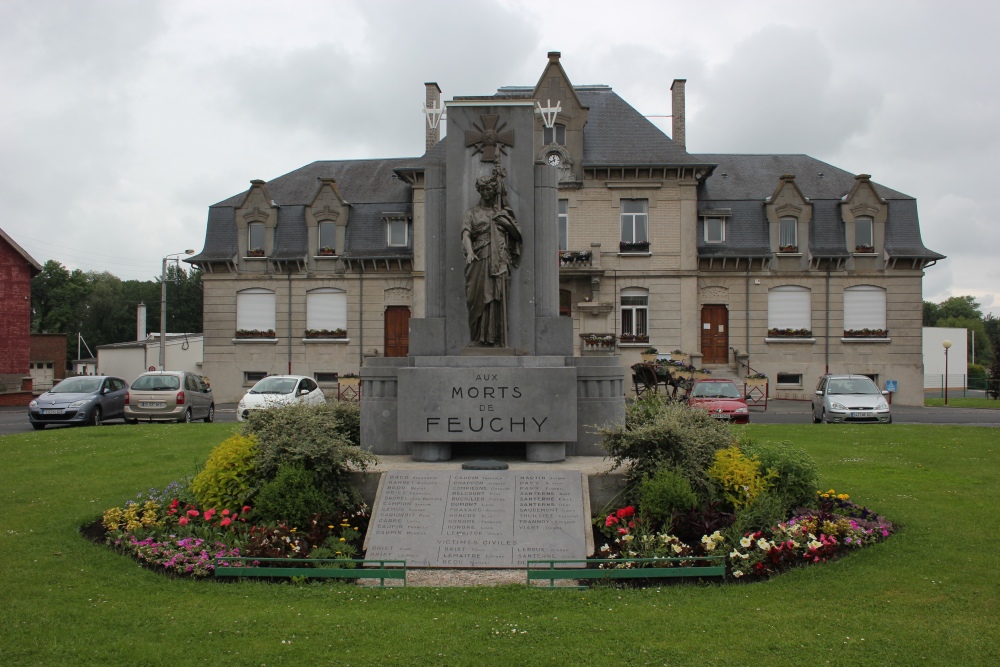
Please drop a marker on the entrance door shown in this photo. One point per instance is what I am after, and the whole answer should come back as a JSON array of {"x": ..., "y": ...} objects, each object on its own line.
[
  {"x": 714, "y": 334},
  {"x": 397, "y": 331}
]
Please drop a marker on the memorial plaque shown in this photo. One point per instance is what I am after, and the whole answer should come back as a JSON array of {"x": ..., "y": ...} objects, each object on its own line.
[
  {"x": 487, "y": 405},
  {"x": 487, "y": 519}
]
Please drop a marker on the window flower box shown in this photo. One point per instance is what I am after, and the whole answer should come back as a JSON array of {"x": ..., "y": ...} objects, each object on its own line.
[
  {"x": 255, "y": 333},
  {"x": 678, "y": 355},
  {"x": 864, "y": 249},
  {"x": 633, "y": 338},
  {"x": 789, "y": 333},
  {"x": 866, "y": 333},
  {"x": 633, "y": 246},
  {"x": 598, "y": 341},
  {"x": 327, "y": 252},
  {"x": 571, "y": 258},
  {"x": 649, "y": 355},
  {"x": 326, "y": 333},
  {"x": 755, "y": 380},
  {"x": 788, "y": 248},
  {"x": 255, "y": 252}
]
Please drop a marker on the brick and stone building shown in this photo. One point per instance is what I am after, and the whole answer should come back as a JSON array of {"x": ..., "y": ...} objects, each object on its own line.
[
  {"x": 779, "y": 263},
  {"x": 17, "y": 268}
]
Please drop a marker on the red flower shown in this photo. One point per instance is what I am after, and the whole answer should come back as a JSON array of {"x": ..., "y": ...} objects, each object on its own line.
[
  {"x": 625, "y": 512},
  {"x": 612, "y": 519},
  {"x": 209, "y": 514},
  {"x": 246, "y": 508},
  {"x": 183, "y": 521},
  {"x": 631, "y": 524},
  {"x": 623, "y": 531},
  {"x": 192, "y": 513},
  {"x": 174, "y": 504},
  {"x": 225, "y": 512},
  {"x": 225, "y": 522}
]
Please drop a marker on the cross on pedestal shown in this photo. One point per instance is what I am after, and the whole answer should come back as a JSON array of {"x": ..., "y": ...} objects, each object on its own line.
[{"x": 489, "y": 139}]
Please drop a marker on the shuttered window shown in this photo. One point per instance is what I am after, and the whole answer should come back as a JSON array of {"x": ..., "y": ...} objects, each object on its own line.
[
  {"x": 864, "y": 307},
  {"x": 635, "y": 311},
  {"x": 788, "y": 307},
  {"x": 255, "y": 309},
  {"x": 326, "y": 308}
]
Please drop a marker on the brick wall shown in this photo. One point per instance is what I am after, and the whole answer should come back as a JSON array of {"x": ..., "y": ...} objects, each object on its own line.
[
  {"x": 50, "y": 347},
  {"x": 15, "y": 310}
]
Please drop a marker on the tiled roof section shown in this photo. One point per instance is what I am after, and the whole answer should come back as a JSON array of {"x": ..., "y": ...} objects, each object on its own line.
[
  {"x": 291, "y": 238},
  {"x": 616, "y": 134},
  {"x": 756, "y": 177},
  {"x": 902, "y": 232},
  {"x": 359, "y": 181},
  {"x": 367, "y": 235},
  {"x": 827, "y": 237},
  {"x": 747, "y": 234},
  {"x": 220, "y": 236}
]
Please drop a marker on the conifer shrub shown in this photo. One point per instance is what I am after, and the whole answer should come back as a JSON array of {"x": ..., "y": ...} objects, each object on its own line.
[
  {"x": 293, "y": 496},
  {"x": 796, "y": 475},
  {"x": 663, "y": 494},
  {"x": 227, "y": 479}
]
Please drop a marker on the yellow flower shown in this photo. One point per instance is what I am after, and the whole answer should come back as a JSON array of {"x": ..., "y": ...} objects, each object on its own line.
[{"x": 342, "y": 539}]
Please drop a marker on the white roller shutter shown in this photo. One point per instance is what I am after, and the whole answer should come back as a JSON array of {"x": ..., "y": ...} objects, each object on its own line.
[
  {"x": 864, "y": 307},
  {"x": 789, "y": 307},
  {"x": 326, "y": 308},
  {"x": 255, "y": 309}
]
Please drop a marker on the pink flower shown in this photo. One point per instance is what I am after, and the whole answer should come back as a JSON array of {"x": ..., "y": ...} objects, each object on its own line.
[
  {"x": 623, "y": 531},
  {"x": 209, "y": 514},
  {"x": 612, "y": 519},
  {"x": 184, "y": 521},
  {"x": 225, "y": 522},
  {"x": 246, "y": 508},
  {"x": 225, "y": 512},
  {"x": 192, "y": 513}
]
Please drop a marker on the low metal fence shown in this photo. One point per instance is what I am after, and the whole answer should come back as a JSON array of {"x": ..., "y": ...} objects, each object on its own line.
[
  {"x": 311, "y": 568},
  {"x": 625, "y": 568}
]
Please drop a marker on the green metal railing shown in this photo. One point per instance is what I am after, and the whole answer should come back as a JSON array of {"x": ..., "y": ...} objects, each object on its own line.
[
  {"x": 312, "y": 568},
  {"x": 641, "y": 568}
]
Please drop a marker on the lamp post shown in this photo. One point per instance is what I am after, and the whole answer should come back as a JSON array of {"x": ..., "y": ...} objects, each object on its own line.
[
  {"x": 163, "y": 307},
  {"x": 947, "y": 345}
]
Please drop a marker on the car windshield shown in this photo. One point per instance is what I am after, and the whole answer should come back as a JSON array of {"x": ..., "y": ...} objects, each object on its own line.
[
  {"x": 78, "y": 385},
  {"x": 274, "y": 386},
  {"x": 715, "y": 390},
  {"x": 853, "y": 386},
  {"x": 157, "y": 383}
]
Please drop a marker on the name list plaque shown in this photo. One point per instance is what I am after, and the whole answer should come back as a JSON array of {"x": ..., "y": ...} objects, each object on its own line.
[{"x": 471, "y": 519}]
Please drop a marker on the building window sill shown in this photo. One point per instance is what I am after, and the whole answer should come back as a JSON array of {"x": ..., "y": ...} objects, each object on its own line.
[
  {"x": 790, "y": 339},
  {"x": 865, "y": 254},
  {"x": 642, "y": 345},
  {"x": 271, "y": 341},
  {"x": 341, "y": 341},
  {"x": 255, "y": 257},
  {"x": 788, "y": 254},
  {"x": 628, "y": 253},
  {"x": 326, "y": 256},
  {"x": 857, "y": 339}
]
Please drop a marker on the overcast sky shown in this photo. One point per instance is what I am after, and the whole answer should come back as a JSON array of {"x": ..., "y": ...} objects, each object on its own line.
[{"x": 121, "y": 121}]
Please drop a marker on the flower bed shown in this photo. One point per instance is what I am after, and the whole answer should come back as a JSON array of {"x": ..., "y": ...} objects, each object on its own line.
[
  {"x": 255, "y": 333},
  {"x": 326, "y": 333},
  {"x": 866, "y": 333},
  {"x": 789, "y": 333}
]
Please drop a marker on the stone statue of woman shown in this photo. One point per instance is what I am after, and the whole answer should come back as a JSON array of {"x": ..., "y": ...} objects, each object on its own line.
[{"x": 491, "y": 240}]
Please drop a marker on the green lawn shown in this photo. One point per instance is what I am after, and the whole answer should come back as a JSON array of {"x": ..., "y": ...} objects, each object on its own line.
[
  {"x": 929, "y": 595},
  {"x": 958, "y": 402}
]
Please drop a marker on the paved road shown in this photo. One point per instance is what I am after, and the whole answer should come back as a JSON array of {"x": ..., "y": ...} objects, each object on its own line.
[{"x": 15, "y": 420}]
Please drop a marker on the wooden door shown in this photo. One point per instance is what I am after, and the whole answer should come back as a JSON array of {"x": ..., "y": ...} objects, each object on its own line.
[
  {"x": 397, "y": 331},
  {"x": 714, "y": 334}
]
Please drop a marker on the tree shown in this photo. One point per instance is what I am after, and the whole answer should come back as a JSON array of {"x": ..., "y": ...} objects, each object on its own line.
[
  {"x": 961, "y": 307},
  {"x": 930, "y": 313}
]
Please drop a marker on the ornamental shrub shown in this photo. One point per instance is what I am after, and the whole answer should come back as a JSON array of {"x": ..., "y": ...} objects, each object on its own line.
[
  {"x": 293, "y": 496},
  {"x": 761, "y": 514},
  {"x": 663, "y": 494},
  {"x": 658, "y": 435},
  {"x": 737, "y": 478},
  {"x": 796, "y": 473},
  {"x": 321, "y": 438},
  {"x": 226, "y": 480}
]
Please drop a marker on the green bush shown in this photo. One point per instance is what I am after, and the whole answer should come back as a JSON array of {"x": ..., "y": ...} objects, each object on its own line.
[
  {"x": 656, "y": 435},
  {"x": 226, "y": 480},
  {"x": 738, "y": 478},
  {"x": 322, "y": 438},
  {"x": 796, "y": 473},
  {"x": 662, "y": 494},
  {"x": 762, "y": 513},
  {"x": 293, "y": 496}
]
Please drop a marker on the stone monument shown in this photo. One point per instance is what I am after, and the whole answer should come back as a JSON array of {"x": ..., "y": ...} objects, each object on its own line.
[{"x": 491, "y": 361}]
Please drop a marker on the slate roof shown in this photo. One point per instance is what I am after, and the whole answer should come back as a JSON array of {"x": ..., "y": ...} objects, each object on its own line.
[
  {"x": 220, "y": 236},
  {"x": 744, "y": 182}
]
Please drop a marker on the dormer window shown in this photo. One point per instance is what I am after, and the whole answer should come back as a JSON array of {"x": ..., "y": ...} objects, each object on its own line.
[
  {"x": 864, "y": 235},
  {"x": 255, "y": 239},
  {"x": 788, "y": 237},
  {"x": 327, "y": 238},
  {"x": 715, "y": 230},
  {"x": 554, "y": 135},
  {"x": 398, "y": 231}
]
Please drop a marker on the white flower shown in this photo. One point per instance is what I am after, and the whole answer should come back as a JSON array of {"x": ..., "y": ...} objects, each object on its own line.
[
  {"x": 737, "y": 573},
  {"x": 677, "y": 548},
  {"x": 746, "y": 542},
  {"x": 734, "y": 554},
  {"x": 763, "y": 544}
]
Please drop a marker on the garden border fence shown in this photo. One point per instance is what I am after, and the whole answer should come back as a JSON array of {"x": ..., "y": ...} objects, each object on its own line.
[
  {"x": 552, "y": 574},
  {"x": 307, "y": 567}
]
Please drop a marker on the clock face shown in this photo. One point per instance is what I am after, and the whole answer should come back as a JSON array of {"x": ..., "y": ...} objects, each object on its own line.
[{"x": 554, "y": 159}]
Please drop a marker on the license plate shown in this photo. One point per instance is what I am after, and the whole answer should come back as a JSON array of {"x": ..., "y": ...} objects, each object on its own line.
[
  {"x": 53, "y": 412},
  {"x": 152, "y": 404},
  {"x": 720, "y": 415},
  {"x": 862, "y": 415}
]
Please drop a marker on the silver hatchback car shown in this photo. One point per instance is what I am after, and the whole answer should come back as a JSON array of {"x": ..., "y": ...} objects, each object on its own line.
[
  {"x": 850, "y": 398},
  {"x": 169, "y": 396}
]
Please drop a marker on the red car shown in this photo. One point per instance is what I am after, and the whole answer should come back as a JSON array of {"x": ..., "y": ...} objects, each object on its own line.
[{"x": 721, "y": 398}]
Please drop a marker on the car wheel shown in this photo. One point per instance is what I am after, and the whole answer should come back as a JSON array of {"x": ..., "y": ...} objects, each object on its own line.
[
  {"x": 186, "y": 417},
  {"x": 38, "y": 427},
  {"x": 822, "y": 417},
  {"x": 210, "y": 417},
  {"x": 95, "y": 417},
  {"x": 816, "y": 420},
  {"x": 889, "y": 420}
]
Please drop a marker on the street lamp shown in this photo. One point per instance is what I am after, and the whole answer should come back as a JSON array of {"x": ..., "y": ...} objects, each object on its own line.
[
  {"x": 946, "y": 344},
  {"x": 163, "y": 306}
]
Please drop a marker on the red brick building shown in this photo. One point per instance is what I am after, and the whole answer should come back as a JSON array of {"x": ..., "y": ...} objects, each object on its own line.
[{"x": 17, "y": 268}]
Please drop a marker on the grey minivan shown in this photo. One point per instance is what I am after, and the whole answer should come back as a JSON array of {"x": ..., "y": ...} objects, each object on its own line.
[
  {"x": 84, "y": 399},
  {"x": 169, "y": 396}
]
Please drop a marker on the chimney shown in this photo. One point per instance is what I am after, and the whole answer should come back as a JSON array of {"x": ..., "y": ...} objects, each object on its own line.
[
  {"x": 140, "y": 322},
  {"x": 677, "y": 88},
  {"x": 432, "y": 101}
]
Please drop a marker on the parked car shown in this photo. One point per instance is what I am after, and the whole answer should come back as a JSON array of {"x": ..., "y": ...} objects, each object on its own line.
[
  {"x": 850, "y": 398},
  {"x": 169, "y": 396},
  {"x": 276, "y": 390},
  {"x": 721, "y": 398},
  {"x": 84, "y": 399}
]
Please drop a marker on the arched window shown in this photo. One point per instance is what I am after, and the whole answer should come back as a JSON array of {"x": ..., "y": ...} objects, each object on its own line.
[
  {"x": 326, "y": 309},
  {"x": 789, "y": 308},
  {"x": 255, "y": 309},
  {"x": 864, "y": 308}
]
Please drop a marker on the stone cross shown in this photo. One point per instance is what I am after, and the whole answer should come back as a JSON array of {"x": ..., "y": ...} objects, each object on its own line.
[{"x": 488, "y": 139}]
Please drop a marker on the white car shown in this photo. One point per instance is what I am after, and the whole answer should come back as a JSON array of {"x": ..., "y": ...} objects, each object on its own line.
[
  {"x": 277, "y": 390},
  {"x": 850, "y": 399}
]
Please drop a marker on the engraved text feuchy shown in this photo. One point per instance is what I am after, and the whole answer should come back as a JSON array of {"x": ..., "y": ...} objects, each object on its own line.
[{"x": 486, "y": 386}]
